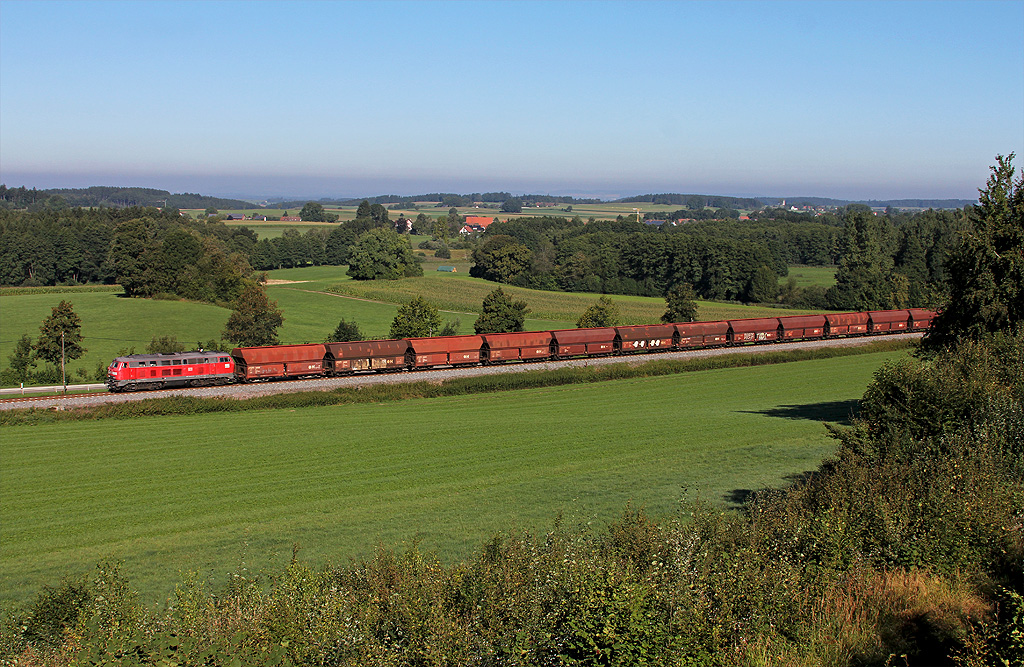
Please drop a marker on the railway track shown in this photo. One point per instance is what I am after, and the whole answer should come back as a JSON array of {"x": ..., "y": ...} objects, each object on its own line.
[{"x": 242, "y": 391}]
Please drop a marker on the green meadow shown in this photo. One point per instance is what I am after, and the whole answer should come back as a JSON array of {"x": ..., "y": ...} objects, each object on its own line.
[
  {"x": 313, "y": 300},
  {"x": 811, "y": 276},
  {"x": 212, "y": 493},
  {"x": 458, "y": 292},
  {"x": 110, "y": 322}
]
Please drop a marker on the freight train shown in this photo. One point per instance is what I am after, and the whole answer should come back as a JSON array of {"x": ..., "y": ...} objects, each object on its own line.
[{"x": 278, "y": 362}]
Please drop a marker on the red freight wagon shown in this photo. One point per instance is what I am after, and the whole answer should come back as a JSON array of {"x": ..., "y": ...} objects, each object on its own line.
[
  {"x": 798, "y": 327},
  {"x": 887, "y": 320},
  {"x": 525, "y": 345},
  {"x": 640, "y": 338},
  {"x": 366, "y": 355},
  {"x": 181, "y": 369},
  {"x": 920, "y": 319},
  {"x": 754, "y": 330},
  {"x": 444, "y": 351},
  {"x": 576, "y": 342},
  {"x": 846, "y": 324},
  {"x": 702, "y": 334},
  {"x": 277, "y": 361}
]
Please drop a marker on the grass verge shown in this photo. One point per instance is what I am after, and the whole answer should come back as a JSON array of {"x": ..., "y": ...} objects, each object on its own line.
[{"x": 528, "y": 379}]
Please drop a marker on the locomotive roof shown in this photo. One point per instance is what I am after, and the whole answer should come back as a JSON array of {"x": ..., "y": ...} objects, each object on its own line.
[{"x": 174, "y": 355}]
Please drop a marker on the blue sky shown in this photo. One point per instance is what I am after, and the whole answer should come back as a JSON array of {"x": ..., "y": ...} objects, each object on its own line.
[{"x": 848, "y": 100}]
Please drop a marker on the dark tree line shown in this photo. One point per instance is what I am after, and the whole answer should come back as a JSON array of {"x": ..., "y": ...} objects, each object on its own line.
[
  {"x": 146, "y": 250},
  {"x": 884, "y": 261},
  {"x": 114, "y": 197}
]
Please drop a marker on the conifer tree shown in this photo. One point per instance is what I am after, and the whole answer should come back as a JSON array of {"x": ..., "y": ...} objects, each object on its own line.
[
  {"x": 985, "y": 273},
  {"x": 62, "y": 321}
]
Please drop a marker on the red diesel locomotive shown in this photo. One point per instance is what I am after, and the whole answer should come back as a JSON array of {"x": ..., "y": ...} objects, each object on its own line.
[
  {"x": 277, "y": 362},
  {"x": 159, "y": 371}
]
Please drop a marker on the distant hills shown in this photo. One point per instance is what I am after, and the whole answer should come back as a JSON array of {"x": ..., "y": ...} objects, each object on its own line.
[
  {"x": 120, "y": 197},
  {"x": 750, "y": 203},
  {"x": 115, "y": 197}
]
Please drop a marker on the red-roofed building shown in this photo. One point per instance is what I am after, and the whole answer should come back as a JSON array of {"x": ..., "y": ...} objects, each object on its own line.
[{"x": 478, "y": 221}]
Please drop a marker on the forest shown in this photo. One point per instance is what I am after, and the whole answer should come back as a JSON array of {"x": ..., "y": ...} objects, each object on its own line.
[
  {"x": 895, "y": 260},
  {"x": 887, "y": 261}
]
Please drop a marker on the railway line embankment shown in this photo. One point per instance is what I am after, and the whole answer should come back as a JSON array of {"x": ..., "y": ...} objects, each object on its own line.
[{"x": 435, "y": 375}]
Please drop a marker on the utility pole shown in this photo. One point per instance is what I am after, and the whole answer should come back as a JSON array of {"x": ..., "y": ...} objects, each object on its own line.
[{"x": 63, "y": 377}]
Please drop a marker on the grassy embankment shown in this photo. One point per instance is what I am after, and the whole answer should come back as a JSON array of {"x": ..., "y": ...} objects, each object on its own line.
[{"x": 204, "y": 492}]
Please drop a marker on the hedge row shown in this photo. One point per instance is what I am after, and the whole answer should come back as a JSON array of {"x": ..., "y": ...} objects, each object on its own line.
[{"x": 59, "y": 289}]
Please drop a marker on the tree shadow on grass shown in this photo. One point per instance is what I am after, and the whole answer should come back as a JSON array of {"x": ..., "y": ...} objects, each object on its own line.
[
  {"x": 741, "y": 498},
  {"x": 837, "y": 412}
]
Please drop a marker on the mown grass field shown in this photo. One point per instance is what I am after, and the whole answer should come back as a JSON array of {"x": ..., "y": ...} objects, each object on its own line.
[
  {"x": 109, "y": 322},
  {"x": 459, "y": 292},
  {"x": 811, "y": 276},
  {"x": 213, "y": 493}
]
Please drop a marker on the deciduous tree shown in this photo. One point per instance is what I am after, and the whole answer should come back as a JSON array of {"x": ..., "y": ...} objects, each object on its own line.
[
  {"x": 501, "y": 314},
  {"x": 382, "y": 254},
  {"x": 680, "y": 304},
  {"x": 604, "y": 313},
  {"x": 164, "y": 345},
  {"x": 345, "y": 331},
  {"x": 314, "y": 212},
  {"x": 512, "y": 206},
  {"x": 416, "y": 319},
  {"x": 255, "y": 319}
]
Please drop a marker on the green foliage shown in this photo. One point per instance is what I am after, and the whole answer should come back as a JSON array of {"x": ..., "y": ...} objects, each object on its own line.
[
  {"x": 764, "y": 286},
  {"x": 985, "y": 273},
  {"x": 604, "y": 313},
  {"x": 344, "y": 332},
  {"x": 60, "y": 335},
  {"x": 21, "y": 359},
  {"x": 382, "y": 254},
  {"x": 680, "y": 305},
  {"x": 314, "y": 212},
  {"x": 165, "y": 345},
  {"x": 416, "y": 319},
  {"x": 501, "y": 314},
  {"x": 56, "y": 610},
  {"x": 450, "y": 328},
  {"x": 255, "y": 319},
  {"x": 512, "y": 206},
  {"x": 863, "y": 281},
  {"x": 501, "y": 259}
]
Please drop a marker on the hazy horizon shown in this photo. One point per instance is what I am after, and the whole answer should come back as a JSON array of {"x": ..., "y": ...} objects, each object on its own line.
[
  {"x": 234, "y": 188},
  {"x": 847, "y": 100}
]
